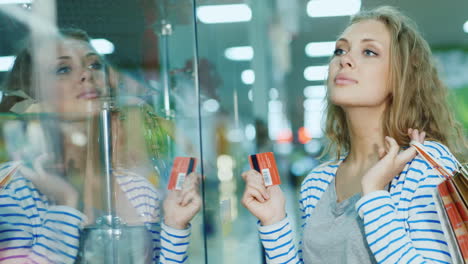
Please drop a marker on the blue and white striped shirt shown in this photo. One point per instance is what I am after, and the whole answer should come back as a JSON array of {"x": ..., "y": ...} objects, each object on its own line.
[
  {"x": 33, "y": 231},
  {"x": 401, "y": 225}
]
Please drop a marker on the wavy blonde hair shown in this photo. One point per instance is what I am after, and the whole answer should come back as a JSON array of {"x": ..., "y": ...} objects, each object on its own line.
[{"x": 419, "y": 98}]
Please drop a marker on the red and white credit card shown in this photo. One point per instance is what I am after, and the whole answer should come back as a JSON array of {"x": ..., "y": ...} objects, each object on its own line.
[
  {"x": 265, "y": 164},
  {"x": 182, "y": 167}
]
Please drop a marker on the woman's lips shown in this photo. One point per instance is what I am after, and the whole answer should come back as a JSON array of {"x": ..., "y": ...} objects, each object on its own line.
[
  {"x": 88, "y": 95},
  {"x": 342, "y": 80}
]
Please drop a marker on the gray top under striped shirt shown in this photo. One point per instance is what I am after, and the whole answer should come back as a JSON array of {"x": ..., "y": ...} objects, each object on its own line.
[{"x": 334, "y": 233}]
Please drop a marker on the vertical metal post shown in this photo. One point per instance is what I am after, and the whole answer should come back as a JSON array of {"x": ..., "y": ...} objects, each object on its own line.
[
  {"x": 166, "y": 31},
  {"x": 105, "y": 120},
  {"x": 106, "y": 137}
]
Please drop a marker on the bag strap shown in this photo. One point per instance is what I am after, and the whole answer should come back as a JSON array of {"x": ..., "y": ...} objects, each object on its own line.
[
  {"x": 434, "y": 162},
  {"x": 9, "y": 170}
]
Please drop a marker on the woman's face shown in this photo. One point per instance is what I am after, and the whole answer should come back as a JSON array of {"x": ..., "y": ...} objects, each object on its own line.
[
  {"x": 359, "y": 70},
  {"x": 80, "y": 77}
]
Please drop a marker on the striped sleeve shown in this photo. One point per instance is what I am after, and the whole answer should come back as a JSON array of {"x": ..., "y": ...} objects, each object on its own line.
[
  {"x": 174, "y": 245},
  {"x": 407, "y": 230},
  {"x": 31, "y": 231},
  {"x": 155, "y": 230},
  {"x": 57, "y": 239},
  {"x": 278, "y": 241}
]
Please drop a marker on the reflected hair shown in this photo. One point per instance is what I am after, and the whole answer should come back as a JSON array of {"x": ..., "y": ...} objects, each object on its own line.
[{"x": 419, "y": 98}]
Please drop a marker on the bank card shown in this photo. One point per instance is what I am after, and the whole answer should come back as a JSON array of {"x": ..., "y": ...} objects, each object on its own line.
[
  {"x": 265, "y": 164},
  {"x": 182, "y": 167}
]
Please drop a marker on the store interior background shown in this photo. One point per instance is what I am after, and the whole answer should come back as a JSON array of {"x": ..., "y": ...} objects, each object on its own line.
[{"x": 257, "y": 86}]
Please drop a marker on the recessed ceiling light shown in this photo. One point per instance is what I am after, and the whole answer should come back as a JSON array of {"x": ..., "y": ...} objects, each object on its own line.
[
  {"x": 6, "y": 62},
  {"x": 315, "y": 91},
  {"x": 102, "y": 46},
  {"x": 6, "y": 2},
  {"x": 211, "y": 105},
  {"x": 248, "y": 76},
  {"x": 331, "y": 8},
  {"x": 210, "y": 14},
  {"x": 316, "y": 73},
  {"x": 320, "y": 49},
  {"x": 243, "y": 53}
]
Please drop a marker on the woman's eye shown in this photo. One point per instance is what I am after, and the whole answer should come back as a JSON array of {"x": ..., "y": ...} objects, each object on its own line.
[
  {"x": 63, "y": 70},
  {"x": 96, "y": 66},
  {"x": 339, "y": 52},
  {"x": 369, "y": 52}
]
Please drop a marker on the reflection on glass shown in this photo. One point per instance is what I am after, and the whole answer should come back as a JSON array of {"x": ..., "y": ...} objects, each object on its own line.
[{"x": 86, "y": 184}]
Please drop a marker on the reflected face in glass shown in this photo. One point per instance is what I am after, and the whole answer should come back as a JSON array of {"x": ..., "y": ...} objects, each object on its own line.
[
  {"x": 80, "y": 77},
  {"x": 359, "y": 70}
]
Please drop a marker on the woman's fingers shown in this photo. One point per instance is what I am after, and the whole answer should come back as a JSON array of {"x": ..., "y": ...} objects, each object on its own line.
[
  {"x": 189, "y": 197},
  {"x": 252, "y": 176},
  {"x": 382, "y": 152},
  {"x": 192, "y": 180},
  {"x": 37, "y": 164},
  {"x": 251, "y": 194},
  {"x": 417, "y": 135},
  {"x": 254, "y": 180},
  {"x": 422, "y": 136},
  {"x": 406, "y": 156},
  {"x": 260, "y": 188},
  {"x": 392, "y": 147}
]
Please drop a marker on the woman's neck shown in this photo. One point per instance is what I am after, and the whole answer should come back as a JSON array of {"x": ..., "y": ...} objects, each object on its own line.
[
  {"x": 76, "y": 139},
  {"x": 366, "y": 135}
]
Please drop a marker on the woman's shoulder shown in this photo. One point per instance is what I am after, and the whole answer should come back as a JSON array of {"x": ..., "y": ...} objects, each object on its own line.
[
  {"x": 419, "y": 173},
  {"x": 441, "y": 153},
  {"x": 322, "y": 174},
  {"x": 17, "y": 185},
  {"x": 134, "y": 183},
  {"x": 11, "y": 176}
]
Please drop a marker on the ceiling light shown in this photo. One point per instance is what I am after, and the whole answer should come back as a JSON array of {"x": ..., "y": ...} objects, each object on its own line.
[
  {"x": 316, "y": 73},
  {"x": 248, "y": 76},
  {"x": 331, "y": 8},
  {"x": 250, "y": 95},
  {"x": 210, "y": 14},
  {"x": 274, "y": 94},
  {"x": 250, "y": 132},
  {"x": 465, "y": 27},
  {"x": 320, "y": 49},
  {"x": 211, "y": 105},
  {"x": 102, "y": 46},
  {"x": 6, "y": 2},
  {"x": 6, "y": 62},
  {"x": 315, "y": 91},
  {"x": 244, "y": 53}
]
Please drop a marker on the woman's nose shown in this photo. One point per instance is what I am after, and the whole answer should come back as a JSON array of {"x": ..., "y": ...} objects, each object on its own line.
[
  {"x": 346, "y": 61},
  {"x": 86, "y": 75}
]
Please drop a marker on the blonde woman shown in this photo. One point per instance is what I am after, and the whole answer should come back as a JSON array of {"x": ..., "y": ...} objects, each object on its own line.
[{"x": 373, "y": 203}]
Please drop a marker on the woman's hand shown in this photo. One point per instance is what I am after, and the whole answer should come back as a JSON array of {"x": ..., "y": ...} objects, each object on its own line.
[
  {"x": 391, "y": 163},
  {"x": 180, "y": 206},
  {"x": 53, "y": 186},
  {"x": 265, "y": 203}
]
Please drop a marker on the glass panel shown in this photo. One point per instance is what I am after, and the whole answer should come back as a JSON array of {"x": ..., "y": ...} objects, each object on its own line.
[
  {"x": 229, "y": 82},
  {"x": 99, "y": 103}
]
